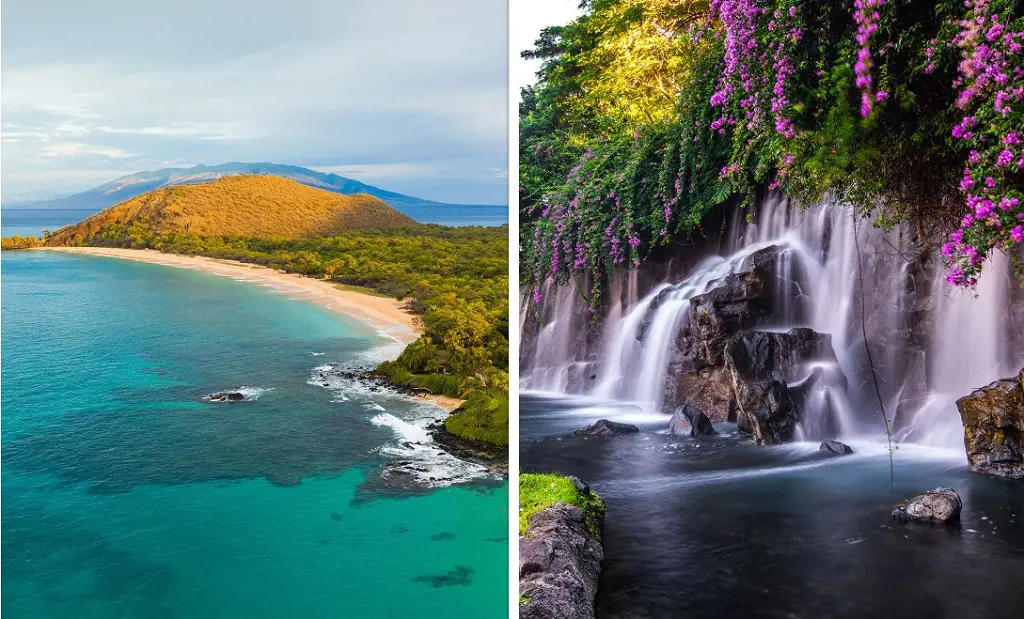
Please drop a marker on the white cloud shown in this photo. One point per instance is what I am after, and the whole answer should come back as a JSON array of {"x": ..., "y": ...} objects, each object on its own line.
[
  {"x": 307, "y": 83},
  {"x": 78, "y": 149}
]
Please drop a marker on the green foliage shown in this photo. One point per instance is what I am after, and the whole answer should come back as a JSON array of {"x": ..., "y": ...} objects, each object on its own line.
[
  {"x": 20, "y": 242},
  {"x": 601, "y": 188},
  {"x": 483, "y": 417},
  {"x": 538, "y": 491}
]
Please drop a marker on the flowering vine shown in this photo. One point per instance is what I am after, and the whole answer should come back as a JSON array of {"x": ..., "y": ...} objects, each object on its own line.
[
  {"x": 990, "y": 97},
  {"x": 866, "y": 15}
]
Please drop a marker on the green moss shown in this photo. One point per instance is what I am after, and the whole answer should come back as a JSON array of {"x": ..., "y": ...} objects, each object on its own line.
[
  {"x": 484, "y": 417},
  {"x": 540, "y": 490}
]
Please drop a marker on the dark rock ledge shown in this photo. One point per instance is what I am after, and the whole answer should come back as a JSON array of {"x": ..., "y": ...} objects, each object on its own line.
[
  {"x": 494, "y": 457},
  {"x": 559, "y": 565}
]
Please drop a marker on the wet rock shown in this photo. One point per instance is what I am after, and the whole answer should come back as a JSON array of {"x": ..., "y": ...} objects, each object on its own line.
[
  {"x": 993, "y": 419},
  {"x": 224, "y": 396},
  {"x": 764, "y": 355},
  {"x": 711, "y": 393},
  {"x": 580, "y": 485},
  {"x": 740, "y": 301},
  {"x": 559, "y": 565},
  {"x": 937, "y": 506},
  {"x": 607, "y": 428},
  {"x": 692, "y": 421},
  {"x": 767, "y": 409},
  {"x": 835, "y": 447}
]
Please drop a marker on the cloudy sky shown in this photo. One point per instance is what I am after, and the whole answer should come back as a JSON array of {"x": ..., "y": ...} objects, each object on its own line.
[{"x": 404, "y": 94}]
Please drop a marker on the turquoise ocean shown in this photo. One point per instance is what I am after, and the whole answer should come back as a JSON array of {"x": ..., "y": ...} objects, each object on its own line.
[{"x": 125, "y": 495}]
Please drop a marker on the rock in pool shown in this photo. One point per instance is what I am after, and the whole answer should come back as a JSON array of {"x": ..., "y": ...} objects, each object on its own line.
[
  {"x": 224, "y": 396},
  {"x": 993, "y": 419},
  {"x": 938, "y": 506},
  {"x": 607, "y": 428},
  {"x": 690, "y": 420},
  {"x": 833, "y": 446}
]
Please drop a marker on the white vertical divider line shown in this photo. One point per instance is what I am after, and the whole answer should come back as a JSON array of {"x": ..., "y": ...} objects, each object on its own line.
[{"x": 513, "y": 323}]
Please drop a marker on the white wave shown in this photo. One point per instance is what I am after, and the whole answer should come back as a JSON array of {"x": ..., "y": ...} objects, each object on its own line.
[
  {"x": 421, "y": 459},
  {"x": 317, "y": 354},
  {"x": 415, "y": 453},
  {"x": 253, "y": 393}
]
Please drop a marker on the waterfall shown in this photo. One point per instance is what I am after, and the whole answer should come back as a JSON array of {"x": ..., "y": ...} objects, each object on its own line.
[{"x": 929, "y": 343}]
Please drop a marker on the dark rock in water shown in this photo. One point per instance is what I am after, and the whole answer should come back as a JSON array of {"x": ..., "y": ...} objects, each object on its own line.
[
  {"x": 833, "y": 446},
  {"x": 993, "y": 419},
  {"x": 224, "y": 396},
  {"x": 607, "y": 428},
  {"x": 763, "y": 355},
  {"x": 690, "y": 420},
  {"x": 941, "y": 505},
  {"x": 460, "y": 576},
  {"x": 768, "y": 410},
  {"x": 559, "y": 565}
]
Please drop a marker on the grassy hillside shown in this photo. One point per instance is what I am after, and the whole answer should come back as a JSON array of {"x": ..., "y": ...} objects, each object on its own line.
[{"x": 252, "y": 205}]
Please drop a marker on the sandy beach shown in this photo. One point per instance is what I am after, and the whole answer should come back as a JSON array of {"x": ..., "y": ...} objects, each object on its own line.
[{"x": 383, "y": 313}]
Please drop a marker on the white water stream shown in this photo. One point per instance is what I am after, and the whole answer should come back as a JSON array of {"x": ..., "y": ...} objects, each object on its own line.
[{"x": 965, "y": 346}]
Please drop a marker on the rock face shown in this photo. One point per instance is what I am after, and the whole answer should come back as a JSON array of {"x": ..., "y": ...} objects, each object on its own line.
[
  {"x": 938, "y": 506},
  {"x": 559, "y": 565},
  {"x": 993, "y": 419},
  {"x": 692, "y": 421},
  {"x": 767, "y": 409},
  {"x": 835, "y": 447},
  {"x": 710, "y": 393},
  {"x": 765, "y": 355},
  {"x": 607, "y": 428}
]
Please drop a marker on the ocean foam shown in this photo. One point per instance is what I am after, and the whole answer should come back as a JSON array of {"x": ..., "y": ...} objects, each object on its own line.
[{"x": 414, "y": 453}]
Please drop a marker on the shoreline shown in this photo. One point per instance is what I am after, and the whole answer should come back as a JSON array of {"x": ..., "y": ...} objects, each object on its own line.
[{"x": 388, "y": 315}]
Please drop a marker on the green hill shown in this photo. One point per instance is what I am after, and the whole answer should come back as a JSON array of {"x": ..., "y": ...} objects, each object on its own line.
[{"x": 251, "y": 205}]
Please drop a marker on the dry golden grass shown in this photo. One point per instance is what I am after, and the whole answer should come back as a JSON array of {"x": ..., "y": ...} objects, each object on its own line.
[{"x": 251, "y": 205}]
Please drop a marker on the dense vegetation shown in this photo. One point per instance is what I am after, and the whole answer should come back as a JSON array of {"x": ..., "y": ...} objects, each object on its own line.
[
  {"x": 246, "y": 205},
  {"x": 650, "y": 114},
  {"x": 537, "y": 491}
]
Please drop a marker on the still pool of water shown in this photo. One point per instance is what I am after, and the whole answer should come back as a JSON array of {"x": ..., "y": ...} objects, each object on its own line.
[{"x": 720, "y": 527}]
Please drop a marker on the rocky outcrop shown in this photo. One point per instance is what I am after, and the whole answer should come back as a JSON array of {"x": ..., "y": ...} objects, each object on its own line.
[
  {"x": 225, "y": 396},
  {"x": 938, "y": 506},
  {"x": 835, "y": 447},
  {"x": 559, "y": 565},
  {"x": 605, "y": 427},
  {"x": 767, "y": 355},
  {"x": 767, "y": 410},
  {"x": 993, "y": 419},
  {"x": 691, "y": 421},
  {"x": 709, "y": 392}
]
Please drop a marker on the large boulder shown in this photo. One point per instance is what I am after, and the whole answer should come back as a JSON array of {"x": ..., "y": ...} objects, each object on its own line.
[
  {"x": 604, "y": 427},
  {"x": 833, "y": 446},
  {"x": 711, "y": 392},
  {"x": 993, "y": 419},
  {"x": 559, "y": 565},
  {"x": 768, "y": 355},
  {"x": 938, "y": 506},
  {"x": 767, "y": 410},
  {"x": 692, "y": 421}
]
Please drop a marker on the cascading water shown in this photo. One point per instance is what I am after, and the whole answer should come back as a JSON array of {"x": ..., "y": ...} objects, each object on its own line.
[{"x": 817, "y": 267}]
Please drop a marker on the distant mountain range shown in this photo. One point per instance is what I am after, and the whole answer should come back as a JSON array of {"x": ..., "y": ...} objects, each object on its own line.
[{"x": 128, "y": 187}]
